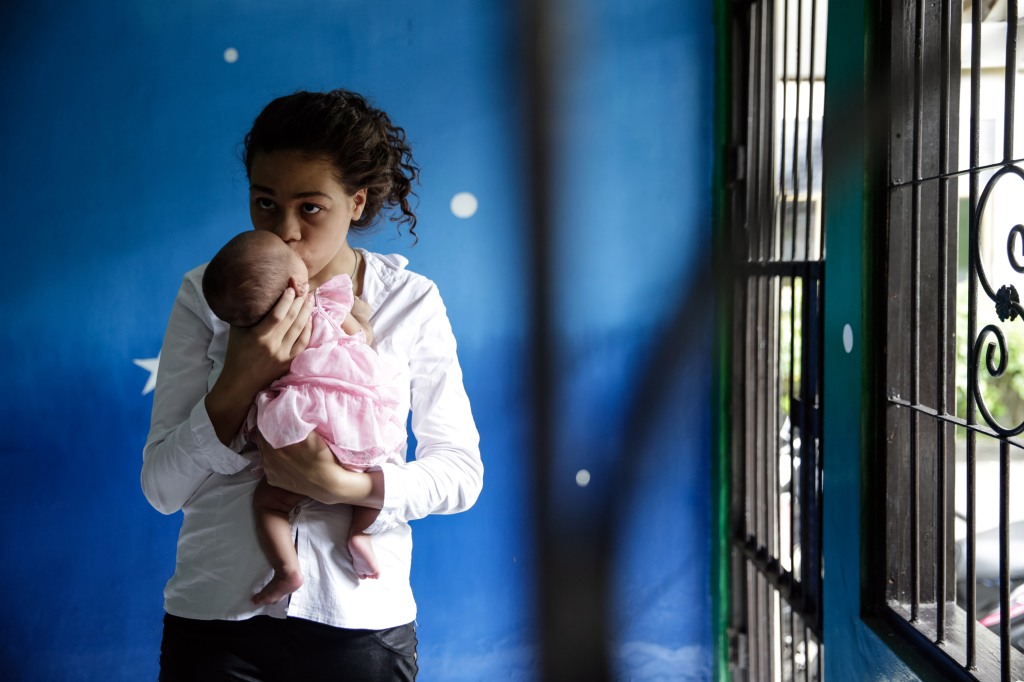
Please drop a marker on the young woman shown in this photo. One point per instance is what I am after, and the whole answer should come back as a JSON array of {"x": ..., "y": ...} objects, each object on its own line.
[{"x": 319, "y": 164}]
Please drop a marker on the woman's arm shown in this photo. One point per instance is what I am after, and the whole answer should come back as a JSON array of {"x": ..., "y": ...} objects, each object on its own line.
[
  {"x": 183, "y": 449},
  {"x": 447, "y": 475},
  {"x": 254, "y": 358},
  {"x": 191, "y": 430},
  {"x": 310, "y": 468}
]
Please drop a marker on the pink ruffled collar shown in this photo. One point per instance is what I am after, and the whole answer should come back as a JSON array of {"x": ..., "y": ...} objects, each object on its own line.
[{"x": 335, "y": 295}]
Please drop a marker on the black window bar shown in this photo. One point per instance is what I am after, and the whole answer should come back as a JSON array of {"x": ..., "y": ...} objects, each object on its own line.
[
  {"x": 939, "y": 587},
  {"x": 778, "y": 283}
]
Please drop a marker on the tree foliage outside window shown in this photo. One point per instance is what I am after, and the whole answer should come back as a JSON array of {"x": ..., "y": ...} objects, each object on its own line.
[{"x": 1003, "y": 395}]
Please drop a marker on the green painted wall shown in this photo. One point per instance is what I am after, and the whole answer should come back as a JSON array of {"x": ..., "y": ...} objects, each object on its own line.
[
  {"x": 719, "y": 577},
  {"x": 852, "y": 650}
]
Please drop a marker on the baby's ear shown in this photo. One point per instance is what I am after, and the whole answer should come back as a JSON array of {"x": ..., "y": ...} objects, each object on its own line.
[{"x": 301, "y": 288}]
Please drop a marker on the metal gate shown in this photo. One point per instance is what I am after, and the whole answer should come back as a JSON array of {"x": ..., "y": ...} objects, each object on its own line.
[{"x": 778, "y": 268}]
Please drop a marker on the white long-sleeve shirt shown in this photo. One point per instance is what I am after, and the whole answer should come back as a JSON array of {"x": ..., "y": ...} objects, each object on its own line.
[{"x": 185, "y": 466}]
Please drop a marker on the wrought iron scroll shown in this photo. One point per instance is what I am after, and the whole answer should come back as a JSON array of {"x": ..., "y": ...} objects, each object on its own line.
[{"x": 1007, "y": 305}]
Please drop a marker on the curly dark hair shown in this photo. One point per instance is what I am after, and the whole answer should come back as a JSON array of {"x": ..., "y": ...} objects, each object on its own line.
[{"x": 366, "y": 148}]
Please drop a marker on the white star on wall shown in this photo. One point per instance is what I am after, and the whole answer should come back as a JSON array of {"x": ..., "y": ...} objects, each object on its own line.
[{"x": 151, "y": 365}]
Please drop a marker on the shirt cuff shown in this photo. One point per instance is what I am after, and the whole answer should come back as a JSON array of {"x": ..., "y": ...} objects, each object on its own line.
[
  {"x": 220, "y": 458},
  {"x": 394, "y": 500}
]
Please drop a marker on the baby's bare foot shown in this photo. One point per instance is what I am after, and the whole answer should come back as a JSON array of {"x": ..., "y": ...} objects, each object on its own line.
[
  {"x": 280, "y": 586},
  {"x": 364, "y": 561}
]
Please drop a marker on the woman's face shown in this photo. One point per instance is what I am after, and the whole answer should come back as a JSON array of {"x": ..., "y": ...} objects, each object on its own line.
[{"x": 299, "y": 199}]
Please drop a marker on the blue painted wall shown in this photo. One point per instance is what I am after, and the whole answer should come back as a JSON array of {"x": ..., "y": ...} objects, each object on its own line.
[{"x": 120, "y": 133}]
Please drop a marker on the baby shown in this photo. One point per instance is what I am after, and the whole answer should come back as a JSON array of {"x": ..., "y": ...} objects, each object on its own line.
[{"x": 336, "y": 387}]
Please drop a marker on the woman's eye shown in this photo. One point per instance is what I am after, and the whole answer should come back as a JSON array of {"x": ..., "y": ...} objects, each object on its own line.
[
  {"x": 311, "y": 209},
  {"x": 264, "y": 203}
]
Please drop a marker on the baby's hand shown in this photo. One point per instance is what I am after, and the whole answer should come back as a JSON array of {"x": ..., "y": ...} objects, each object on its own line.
[{"x": 361, "y": 311}]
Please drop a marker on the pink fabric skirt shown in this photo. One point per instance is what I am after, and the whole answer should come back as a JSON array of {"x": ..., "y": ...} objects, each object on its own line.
[{"x": 337, "y": 387}]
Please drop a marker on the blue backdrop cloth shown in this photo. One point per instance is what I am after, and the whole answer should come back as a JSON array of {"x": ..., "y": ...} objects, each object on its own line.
[{"x": 121, "y": 130}]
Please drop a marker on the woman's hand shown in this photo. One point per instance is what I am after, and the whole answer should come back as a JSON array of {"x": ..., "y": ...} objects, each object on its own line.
[
  {"x": 260, "y": 354},
  {"x": 309, "y": 468},
  {"x": 255, "y": 357}
]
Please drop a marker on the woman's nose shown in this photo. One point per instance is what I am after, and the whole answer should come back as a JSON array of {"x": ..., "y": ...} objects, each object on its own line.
[{"x": 288, "y": 228}]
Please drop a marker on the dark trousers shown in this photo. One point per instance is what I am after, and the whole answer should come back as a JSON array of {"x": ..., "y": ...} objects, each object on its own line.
[{"x": 269, "y": 649}]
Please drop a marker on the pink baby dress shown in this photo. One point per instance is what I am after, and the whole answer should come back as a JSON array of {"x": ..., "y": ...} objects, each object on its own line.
[{"x": 337, "y": 387}]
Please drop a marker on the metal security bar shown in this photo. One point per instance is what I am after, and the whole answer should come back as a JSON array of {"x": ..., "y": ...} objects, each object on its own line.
[
  {"x": 778, "y": 283},
  {"x": 953, "y": 339}
]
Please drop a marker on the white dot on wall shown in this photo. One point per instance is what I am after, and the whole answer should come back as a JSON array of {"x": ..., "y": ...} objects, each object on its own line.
[
  {"x": 464, "y": 205},
  {"x": 582, "y": 478},
  {"x": 848, "y": 338},
  {"x": 231, "y": 55}
]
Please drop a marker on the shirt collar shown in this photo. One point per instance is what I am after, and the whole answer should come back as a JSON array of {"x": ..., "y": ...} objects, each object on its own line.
[{"x": 380, "y": 276}]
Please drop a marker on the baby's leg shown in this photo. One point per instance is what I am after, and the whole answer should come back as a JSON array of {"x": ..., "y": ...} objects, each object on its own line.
[
  {"x": 359, "y": 544},
  {"x": 273, "y": 507}
]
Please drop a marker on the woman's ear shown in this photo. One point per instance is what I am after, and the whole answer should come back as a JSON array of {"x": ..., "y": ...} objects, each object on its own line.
[{"x": 358, "y": 203}]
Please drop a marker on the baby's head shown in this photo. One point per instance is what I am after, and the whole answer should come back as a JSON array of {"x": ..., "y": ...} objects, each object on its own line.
[{"x": 247, "y": 276}]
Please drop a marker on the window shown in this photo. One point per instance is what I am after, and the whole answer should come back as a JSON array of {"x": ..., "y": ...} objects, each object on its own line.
[
  {"x": 953, "y": 363},
  {"x": 778, "y": 270}
]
